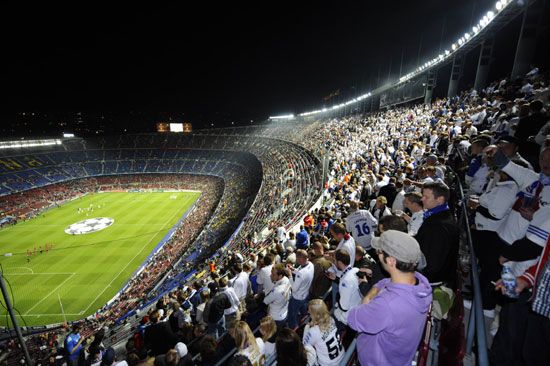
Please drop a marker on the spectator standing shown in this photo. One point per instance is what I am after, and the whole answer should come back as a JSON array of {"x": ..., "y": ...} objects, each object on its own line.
[
  {"x": 277, "y": 299},
  {"x": 413, "y": 202},
  {"x": 393, "y": 315},
  {"x": 214, "y": 311},
  {"x": 291, "y": 241},
  {"x": 247, "y": 345},
  {"x": 281, "y": 234},
  {"x": 345, "y": 241},
  {"x": 379, "y": 209},
  {"x": 300, "y": 280},
  {"x": 348, "y": 287},
  {"x": 268, "y": 330},
  {"x": 398, "y": 204},
  {"x": 320, "y": 283},
  {"x": 73, "y": 345},
  {"x": 159, "y": 337},
  {"x": 302, "y": 239},
  {"x": 264, "y": 275},
  {"x": 241, "y": 285},
  {"x": 389, "y": 191},
  {"x": 291, "y": 351},
  {"x": 361, "y": 224},
  {"x": 231, "y": 314},
  {"x": 322, "y": 334},
  {"x": 438, "y": 235}
]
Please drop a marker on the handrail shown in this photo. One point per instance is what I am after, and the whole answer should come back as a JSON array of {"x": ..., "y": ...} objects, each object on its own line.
[
  {"x": 349, "y": 352},
  {"x": 476, "y": 321}
]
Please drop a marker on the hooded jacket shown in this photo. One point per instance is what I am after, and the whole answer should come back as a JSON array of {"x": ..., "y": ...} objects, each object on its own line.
[{"x": 391, "y": 324}]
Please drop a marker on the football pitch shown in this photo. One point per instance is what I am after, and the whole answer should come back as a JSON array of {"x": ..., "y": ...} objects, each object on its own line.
[{"x": 89, "y": 262}]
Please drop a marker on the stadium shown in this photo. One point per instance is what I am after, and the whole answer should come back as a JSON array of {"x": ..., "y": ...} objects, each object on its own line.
[{"x": 402, "y": 224}]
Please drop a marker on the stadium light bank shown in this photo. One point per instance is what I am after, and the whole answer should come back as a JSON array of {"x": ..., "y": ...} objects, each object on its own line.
[
  {"x": 461, "y": 42},
  {"x": 283, "y": 117},
  {"x": 28, "y": 143}
]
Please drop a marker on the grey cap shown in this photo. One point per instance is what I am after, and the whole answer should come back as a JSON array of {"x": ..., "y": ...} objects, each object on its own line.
[
  {"x": 399, "y": 245},
  {"x": 181, "y": 349}
]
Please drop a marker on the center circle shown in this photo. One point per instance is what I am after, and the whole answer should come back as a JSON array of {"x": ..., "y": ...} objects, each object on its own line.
[{"x": 89, "y": 226}]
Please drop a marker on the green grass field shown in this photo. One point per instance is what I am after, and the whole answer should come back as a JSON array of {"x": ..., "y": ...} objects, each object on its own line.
[{"x": 83, "y": 272}]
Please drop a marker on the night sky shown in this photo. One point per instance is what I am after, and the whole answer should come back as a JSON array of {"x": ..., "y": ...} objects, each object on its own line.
[{"x": 219, "y": 61}]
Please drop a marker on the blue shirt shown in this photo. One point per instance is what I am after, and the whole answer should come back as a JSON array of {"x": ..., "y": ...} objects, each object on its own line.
[
  {"x": 474, "y": 166},
  {"x": 70, "y": 343},
  {"x": 302, "y": 240}
]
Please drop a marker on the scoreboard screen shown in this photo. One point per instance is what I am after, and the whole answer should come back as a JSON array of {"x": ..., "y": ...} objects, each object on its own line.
[{"x": 176, "y": 127}]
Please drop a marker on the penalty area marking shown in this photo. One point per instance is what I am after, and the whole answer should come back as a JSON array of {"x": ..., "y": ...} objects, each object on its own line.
[
  {"x": 53, "y": 314},
  {"x": 51, "y": 292},
  {"x": 126, "y": 266},
  {"x": 17, "y": 273}
]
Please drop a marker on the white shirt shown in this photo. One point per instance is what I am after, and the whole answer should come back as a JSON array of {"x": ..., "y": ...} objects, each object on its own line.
[
  {"x": 479, "y": 180},
  {"x": 327, "y": 344},
  {"x": 240, "y": 284},
  {"x": 290, "y": 243},
  {"x": 264, "y": 278},
  {"x": 281, "y": 234},
  {"x": 516, "y": 227},
  {"x": 256, "y": 358},
  {"x": 415, "y": 222},
  {"x": 277, "y": 299},
  {"x": 471, "y": 131},
  {"x": 200, "y": 312},
  {"x": 233, "y": 298},
  {"x": 398, "y": 202},
  {"x": 269, "y": 349},
  {"x": 362, "y": 225},
  {"x": 349, "y": 246},
  {"x": 498, "y": 201},
  {"x": 301, "y": 282},
  {"x": 350, "y": 296}
]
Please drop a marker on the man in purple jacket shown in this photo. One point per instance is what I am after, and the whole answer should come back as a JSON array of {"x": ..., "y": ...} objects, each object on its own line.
[{"x": 393, "y": 314}]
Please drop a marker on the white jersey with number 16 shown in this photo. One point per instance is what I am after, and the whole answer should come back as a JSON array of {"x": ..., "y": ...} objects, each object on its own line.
[{"x": 362, "y": 225}]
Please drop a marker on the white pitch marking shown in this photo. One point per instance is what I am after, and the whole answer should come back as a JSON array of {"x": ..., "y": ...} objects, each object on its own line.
[
  {"x": 51, "y": 292},
  {"x": 41, "y": 273},
  {"x": 122, "y": 270},
  {"x": 39, "y": 315},
  {"x": 30, "y": 269}
]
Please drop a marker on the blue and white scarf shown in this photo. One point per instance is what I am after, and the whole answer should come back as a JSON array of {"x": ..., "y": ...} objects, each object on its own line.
[{"x": 436, "y": 209}]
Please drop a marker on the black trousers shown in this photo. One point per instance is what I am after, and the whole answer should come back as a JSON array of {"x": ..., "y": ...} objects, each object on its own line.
[
  {"x": 536, "y": 347},
  {"x": 507, "y": 348},
  {"x": 488, "y": 247}
]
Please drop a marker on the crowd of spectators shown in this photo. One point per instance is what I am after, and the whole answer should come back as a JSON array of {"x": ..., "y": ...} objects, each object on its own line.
[{"x": 385, "y": 241}]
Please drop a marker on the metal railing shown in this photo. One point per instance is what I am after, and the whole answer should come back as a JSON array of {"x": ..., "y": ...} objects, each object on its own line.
[{"x": 476, "y": 321}]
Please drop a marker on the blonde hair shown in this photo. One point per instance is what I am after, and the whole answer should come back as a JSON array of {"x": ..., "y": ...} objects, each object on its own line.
[
  {"x": 268, "y": 328},
  {"x": 243, "y": 336},
  {"x": 319, "y": 314}
]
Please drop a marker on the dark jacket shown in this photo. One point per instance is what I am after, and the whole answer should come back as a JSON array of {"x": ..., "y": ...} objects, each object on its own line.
[
  {"x": 438, "y": 237},
  {"x": 377, "y": 274},
  {"x": 321, "y": 283},
  {"x": 159, "y": 338},
  {"x": 213, "y": 310},
  {"x": 389, "y": 191}
]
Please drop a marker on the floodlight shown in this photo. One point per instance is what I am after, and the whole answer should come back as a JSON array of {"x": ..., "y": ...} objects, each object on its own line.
[
  {"x": 453, "y": 46},
  {"x": 499, "y": 6}
]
